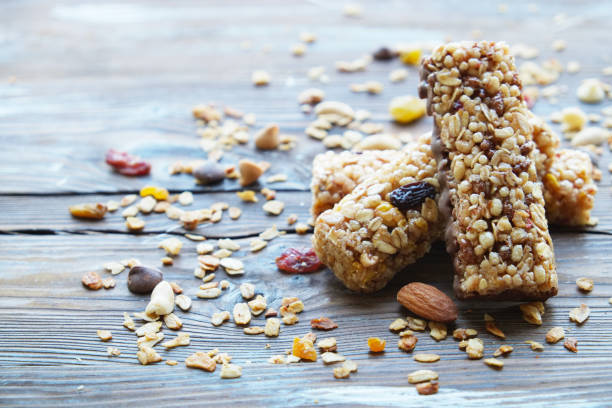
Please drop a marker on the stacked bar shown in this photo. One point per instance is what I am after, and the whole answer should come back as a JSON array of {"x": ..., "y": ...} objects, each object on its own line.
[
  {"x": 497, "y": 231},
  {"x": 386, "y": 223}
]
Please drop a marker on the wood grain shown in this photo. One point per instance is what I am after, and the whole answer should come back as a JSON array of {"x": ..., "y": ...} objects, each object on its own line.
[{"x": 79, "y": 78}]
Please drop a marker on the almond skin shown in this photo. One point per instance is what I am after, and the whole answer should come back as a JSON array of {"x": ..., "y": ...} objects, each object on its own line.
[{"x": 427, "y": 302}]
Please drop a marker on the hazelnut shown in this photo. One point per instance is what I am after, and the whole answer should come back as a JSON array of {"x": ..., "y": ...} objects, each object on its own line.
[
  {"x": 267, "y": 138},
  {"x": 249, "y": 172}
]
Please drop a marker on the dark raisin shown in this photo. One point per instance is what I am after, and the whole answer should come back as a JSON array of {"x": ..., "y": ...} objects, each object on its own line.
[
  {"x": 411, "y": 196},
  {"x": 529, "y": 199},
  {"x": 505, "y": 254},
  {"x": 456, "y": 106},
  {"x": 466, "y": 253},
  {"x": 384, "y": 54},
  {"x": 481, "y": 187},
  {"x": 473, "y": 82},
  {"x": 497, "y": 103},
  {"x": 486, "y": 145},
  {"x": 507, "y": 210}
]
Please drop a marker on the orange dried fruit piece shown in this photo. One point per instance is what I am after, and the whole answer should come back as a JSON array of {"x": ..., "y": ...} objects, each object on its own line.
[
  {"x": 376, "y": 344},
  {"x": 91, "y": 211},
  {"x": 304, "y": 349},
  {"x": 158, "y": 193}
]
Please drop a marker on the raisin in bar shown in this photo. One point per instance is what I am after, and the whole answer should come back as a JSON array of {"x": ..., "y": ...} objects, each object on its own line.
[
  {"x": 497, "y": 232},
  {"x": 386, "y": 223}
]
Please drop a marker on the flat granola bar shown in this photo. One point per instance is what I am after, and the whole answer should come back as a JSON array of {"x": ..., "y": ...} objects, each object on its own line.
[
  {"x": 377, "y": 230},
  {"x": 497, "y": 232}
]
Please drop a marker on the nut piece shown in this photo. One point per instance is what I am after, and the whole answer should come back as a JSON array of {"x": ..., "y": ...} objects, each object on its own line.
[
  {"x": 272, "y": 328},
  {"x": 428, "y": 302},
  {"x": 407, "y": 343},
  {"x": 231, "y": 371},
  {"x": 579, "y": 314},
  {"x": 474, "y": 349},
  {"x": 584, "y": 284},
  {"x": 90, "y": 211},
  {"x": 428, "y": 388},
  {"x": 571, "y": 344},
  {"x": 267, "y": 138},
  {"x": 242, "y": 314},
  {"x": 162, "y": 300},
  {"x": 202, "y": 361},
  {"x": 142, "y": 279},
  {"x": 91, "y": 280},
  {"x": 146, "y": 355},
  {"x": 426, "y": 357},
  {"x": 249, "y": 172},
  {"x": 555, "y": 334},
  {"x": 494, "y": 363},
  {"x": 104, "y": 335},
  {"x": 420, "y": 376}
]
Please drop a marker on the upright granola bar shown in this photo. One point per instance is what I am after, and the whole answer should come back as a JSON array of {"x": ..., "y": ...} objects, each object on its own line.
[
  {"x": 375, "y": 231},
  {"x": 497, "y": 231}
]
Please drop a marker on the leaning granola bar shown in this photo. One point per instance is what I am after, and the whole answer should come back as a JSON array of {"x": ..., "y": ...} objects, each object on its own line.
[
  {"x": 373, "y": 232},
  {"x": 497, "y": 232}
]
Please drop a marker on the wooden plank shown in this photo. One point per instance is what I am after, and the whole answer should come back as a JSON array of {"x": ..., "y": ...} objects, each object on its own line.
[
  {"x": 25, "y": 214},
  {"x": 127, "y": 95},
  {"x": 40, "y": 285}
]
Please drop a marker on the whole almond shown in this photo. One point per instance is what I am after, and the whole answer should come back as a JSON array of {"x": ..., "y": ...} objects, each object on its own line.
[{"x": 427, "y": 302}]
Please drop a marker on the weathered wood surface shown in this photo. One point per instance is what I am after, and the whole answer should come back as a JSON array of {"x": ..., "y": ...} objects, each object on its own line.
[{"x": 91, "y": 76}]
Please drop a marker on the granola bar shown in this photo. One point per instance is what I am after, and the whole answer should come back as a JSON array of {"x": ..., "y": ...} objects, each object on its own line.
[
  {"x": 497, "y": 232},
  {"x": 569, "y": 190},
  {"x": 366, "y": 238}
]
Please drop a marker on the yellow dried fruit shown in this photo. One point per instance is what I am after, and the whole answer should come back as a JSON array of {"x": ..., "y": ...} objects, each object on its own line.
[
  {"x": 406, "y": 109},
  {"x": 91, "y": 211},
  {"x": 158, "y": 193}
]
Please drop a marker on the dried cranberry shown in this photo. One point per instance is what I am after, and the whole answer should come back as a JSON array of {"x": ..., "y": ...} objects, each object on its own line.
[
  {"x": 126, "y": 164},
  {"x": 411, "y": 196},
  {"x": 529, "y": 100},
  {"x": 521, "y": 167},
  {"x": 295, "y": 261}
]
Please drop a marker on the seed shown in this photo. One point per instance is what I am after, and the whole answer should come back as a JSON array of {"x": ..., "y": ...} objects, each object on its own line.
[
  {"x": 209, "y": 173},
  {"x": 92, "y": 280},
  {"x": 142, "y": 279},
  {"x": 91, "y": 211}
]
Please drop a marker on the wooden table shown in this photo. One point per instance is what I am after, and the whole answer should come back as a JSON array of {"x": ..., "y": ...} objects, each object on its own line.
[{"x": 77, "y": 78}]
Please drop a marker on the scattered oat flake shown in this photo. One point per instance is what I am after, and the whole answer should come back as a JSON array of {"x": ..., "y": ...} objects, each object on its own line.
[
  {"x": 242, "y": 314},
  {"x": 494, "y": 363},
  {"x": 437, "y": 330},
  {"x": 104, "y": 335},
  {"x": 301, "y": 228},
  {"x": 171, "y": 362},
  {"x": 327, "y": 344},
  {"x": 420, "y": 376},
  {"x": 571, "y": 344},
  {"x": 274, "y": 207},
  {"x": 108, "y": 283},
  {"x": 330, "y": 357},
  {"x": 277, "y": 178},
  {"x": 407, "y": 343},
  {"x": 341, "y": 372},
  {"x": 398, "y": 325},
  {"x": 532, "y": 312},
  {"x": 555, "y": 334},
  {"x": 494, "y": 330},
  {"x": 580, "y": 314},
  {"x": 503, "y": 350},
  {"x": 113, "y": 351},
  {"x": 247, "y": 196},
  {"x": 416, "y": 324},
  {"x": 182, "y": 339},
  {"x": 428, "y": 388},
  {"x": 535, "y": 346},
  {"x": 474, "y": 348},
  {"x": 219, "y": 318},
  {"x": 146, "y": 355},
  {"x": 426, "y": 357},
  {"x": 253, "y": 330},
  {"x": 202, "y": 361},
  {"x": 183, "y": 302},
  {"x": 584, "y": 284},
  {"x": 257, "y": 244}
]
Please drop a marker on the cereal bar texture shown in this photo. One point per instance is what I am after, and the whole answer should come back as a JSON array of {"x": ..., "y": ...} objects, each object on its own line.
[
  {"x": 569, "y": 190},
  {"x": 365, "y": 239},
  {"x": 334, "y": 175},
  {"x": 497, "y": 231}
]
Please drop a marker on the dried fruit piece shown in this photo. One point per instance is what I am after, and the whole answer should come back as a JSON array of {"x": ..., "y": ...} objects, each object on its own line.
[
  {"x": 411, "y": 196},
  {"x": 428, "y": 302},
  {"x": 323, "y": 323},
  {"x": 571, "y": 344},
  {"x": 142, "y": 279},
  {"x": 91, "y": 280},
  {"x": 304, "y": 349},
  {"x": 407, "y": 343},
  {"x": 579, "y": 314},
  {"x": 420, "y": 376},
  {"x": 296, "y": 261},
  {"x": 384, "y": 54},
  {"x": 428, "y": 388},
  {"x": 126, "y": 164},
  {"x": 555, "y": 334},
  {"x": 376, "y": 344},
  {"x": 159, "y": 193},
  {"x": 90, "y": 211},
  {"x": 202, "y": 361},
  {"x": 406, "y": 109}
]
